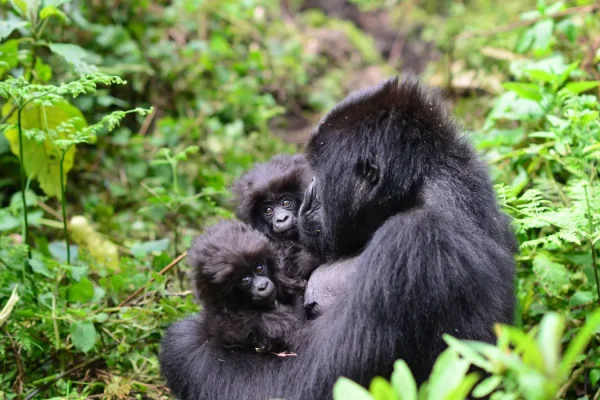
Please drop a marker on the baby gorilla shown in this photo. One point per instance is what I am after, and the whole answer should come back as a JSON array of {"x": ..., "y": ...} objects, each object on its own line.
[
  {"x": 237, "y": 279},
  {"x": 268, "y": 198}
]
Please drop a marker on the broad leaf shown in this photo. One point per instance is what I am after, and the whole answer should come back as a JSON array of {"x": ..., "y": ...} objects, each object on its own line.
[
  {"x": 579, "y": 87},
  {"x": 403, "y": 381},
  {"x": 345, "y": 389},
  {"x": 7, "y": 27},
  {"x": 83, "y": 336},
  {"x": 525, "y": 90},
  {"x": 75, "y": 56},
  {"x": 552, "y": 275},
  {"x": 81, "y": 292},
  {"x": 549, "y": 340},
  {"x": 42, "y": 158},
  {"x": 381, "y": 389}
]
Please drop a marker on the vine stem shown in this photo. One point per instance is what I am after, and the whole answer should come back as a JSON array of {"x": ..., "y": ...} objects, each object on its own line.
[
  {"x": 591, "y": 226},
  {"x": 63, "y": 203},
  {"x": 25, "y": 232}
]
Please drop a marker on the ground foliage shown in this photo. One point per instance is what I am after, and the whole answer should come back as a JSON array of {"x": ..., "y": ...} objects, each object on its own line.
[{"x": 124, "y": 123}]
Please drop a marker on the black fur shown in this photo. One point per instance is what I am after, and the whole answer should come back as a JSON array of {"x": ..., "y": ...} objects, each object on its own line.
[
  {"x": 221, "y": 258},
  {"x": 287, "y": 175},
  {"x": 401, "y": 188}
]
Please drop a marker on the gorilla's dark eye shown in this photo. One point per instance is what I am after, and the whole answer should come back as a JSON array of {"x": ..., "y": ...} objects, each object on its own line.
[
  {"x": 268, "y": 210},
  {"x": 259, "y": 269},
  {"x": 286, "y": 203},
  {"x": 246, "y": 281}
]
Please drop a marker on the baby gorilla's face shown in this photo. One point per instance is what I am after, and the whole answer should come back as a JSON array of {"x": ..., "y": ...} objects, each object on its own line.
[
  {"x": 280, "y": 215},
  {"x": 257, "y": 285}
]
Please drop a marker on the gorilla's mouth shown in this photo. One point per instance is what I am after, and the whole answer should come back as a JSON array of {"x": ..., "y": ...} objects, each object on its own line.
[
  {"x": 266, "y": 301},
  {"x": 286, "y": 232}
]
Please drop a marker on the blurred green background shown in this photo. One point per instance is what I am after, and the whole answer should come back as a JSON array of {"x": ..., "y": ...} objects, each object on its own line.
[{"x": 205, "y": 89}]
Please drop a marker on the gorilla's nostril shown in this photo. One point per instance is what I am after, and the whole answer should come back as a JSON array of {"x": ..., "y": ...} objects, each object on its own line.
[{"x": 283, "y": 219}]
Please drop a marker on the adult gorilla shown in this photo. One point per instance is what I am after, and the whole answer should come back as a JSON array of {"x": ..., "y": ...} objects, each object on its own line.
[{"x": 399, "y": 186}]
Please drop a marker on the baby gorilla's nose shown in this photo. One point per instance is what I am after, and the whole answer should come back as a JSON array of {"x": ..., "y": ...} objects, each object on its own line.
[
  {"x": 282, "y": 218},
  {"x": 262, "y": 286}
]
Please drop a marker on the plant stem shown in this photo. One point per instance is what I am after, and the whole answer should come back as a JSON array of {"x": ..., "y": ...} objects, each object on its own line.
[
  {"x": 25, "y": 231},
  {"x": 591, "y": 226},
  {"x": 63, "y": 203}
]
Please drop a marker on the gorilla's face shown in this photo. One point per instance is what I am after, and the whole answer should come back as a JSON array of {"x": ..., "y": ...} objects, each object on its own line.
[
  {"x": 340, "y": 202},
  {"x": 279, "y": 215}
]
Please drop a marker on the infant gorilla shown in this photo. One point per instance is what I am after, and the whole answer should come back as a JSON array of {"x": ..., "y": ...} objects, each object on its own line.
[
  {"x": 268, "y": 198},
  {"x": 238, "y": 279}
]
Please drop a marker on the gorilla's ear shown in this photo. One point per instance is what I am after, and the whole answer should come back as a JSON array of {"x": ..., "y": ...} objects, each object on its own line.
[{"x": 369, "y": 168}]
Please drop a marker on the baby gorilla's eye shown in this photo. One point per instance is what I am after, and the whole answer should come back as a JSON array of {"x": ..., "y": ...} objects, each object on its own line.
[
  {"x": 259, "y": 269},
  {"x": 268, "y": 210},
  {"x": 246, "y": 280},
  {"x": 286, "y": 203}
]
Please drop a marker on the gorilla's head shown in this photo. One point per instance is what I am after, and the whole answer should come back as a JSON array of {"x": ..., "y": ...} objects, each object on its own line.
[
  {"x": 269, "y": 195},
  {"x": 371, "y": 155}
]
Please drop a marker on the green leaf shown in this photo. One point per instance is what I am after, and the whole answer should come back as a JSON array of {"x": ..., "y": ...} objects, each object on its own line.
[
  {"x": 448, "y": 371},
  {"x": 42, "y": 157},
  {"x": 101, "y": 317},
  {"x": 142, "y": 249},
  {"x": 81, "y": 292},
  {"x": 7, "y": 27},
  {"x": 345, "y": 389},
  {"x": 579, "y": 343},
  {"x": 50, "y": 11},
  {"x": 467, "y": 352},
  {"x": 463, "y": 389},
  {"x": 403, "y": 381},
  {"x": 542, "y": 76},
  {"x": 74, "y": 56},
  {"x": 549, "y": 339},
  {"x": 43, "y": 72},
  {"x": 543, "y": 33},
  {"x": 487, "y": 386},
  {"x": 9, "y": 55},
  {"x": 39, "y": 267},
  {"x": 21, "y": 6},
  {"x": 59, "y": 251},
  {"x": 579, "y": 87},
  {"x": 525, "y": 90},
  {"x": 581, "y": 297},
  {"x": 553, "y": 276},
  {"x": 381, "y": 389},
  {"x": 83, "y": 336}
]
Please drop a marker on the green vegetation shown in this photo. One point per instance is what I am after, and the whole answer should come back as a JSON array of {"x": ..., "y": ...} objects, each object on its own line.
[{"x": 123, "y": 123}]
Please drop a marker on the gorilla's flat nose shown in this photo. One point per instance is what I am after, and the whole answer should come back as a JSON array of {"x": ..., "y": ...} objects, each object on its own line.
[
  {"x": 283, "y": 218},
  {"x": 262, "y": 286}
]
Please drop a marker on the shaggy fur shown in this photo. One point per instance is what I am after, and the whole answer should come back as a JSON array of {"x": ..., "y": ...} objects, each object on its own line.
[
  {"x": 284, "y": 174},
  {"x": 220, "y": 258},
  {"x": 401, "y": 189}
]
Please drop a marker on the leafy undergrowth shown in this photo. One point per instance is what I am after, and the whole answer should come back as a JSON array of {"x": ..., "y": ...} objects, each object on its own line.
[{"x": 123, "y": 124}]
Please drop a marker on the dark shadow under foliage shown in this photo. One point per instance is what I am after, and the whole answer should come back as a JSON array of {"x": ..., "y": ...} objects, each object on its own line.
[{"x": 402, "y": 189}]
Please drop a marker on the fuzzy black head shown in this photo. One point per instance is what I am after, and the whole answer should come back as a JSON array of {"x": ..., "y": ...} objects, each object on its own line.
[
  {"x": 269, "y": 196},
  {"x": 233, "y": 267},
  {"x": 371, "y": 155}
]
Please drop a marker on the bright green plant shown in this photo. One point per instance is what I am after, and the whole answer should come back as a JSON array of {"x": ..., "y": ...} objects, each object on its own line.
[
  {"x": 45, "y": 131},
  {"x": 521, "y": 366}
]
